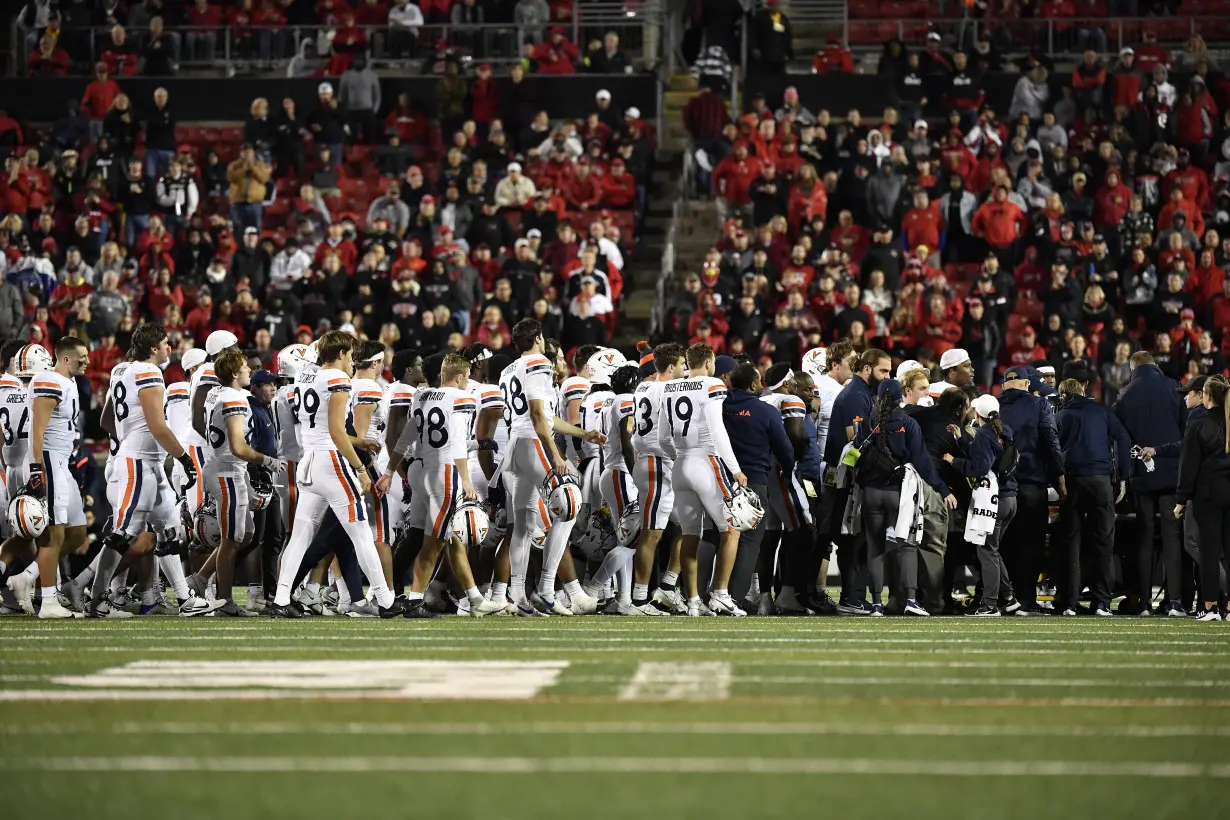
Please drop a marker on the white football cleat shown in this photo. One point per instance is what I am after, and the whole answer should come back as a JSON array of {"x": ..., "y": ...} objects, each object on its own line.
[
  {"x": 53, "y": 609},
  {"x": 583, "y": 604},
  {"x": 548, "y": 607},
  {"x": 197, "y": 606},
  {"x": 618, "y": 607},
  {"x": 699, "y": 610},
  {"x": 310, "y": 600},
  {"x": 725, "y": 605},
  {"x": 670, "y": 600},
  {"x": 105, "y": 609},
  {"x": 363, "y": 609},
  {"x": 524, "y": 609},
  {"x": 22, "y": 587},
  {"x": 485, "y": 608},
  {"x": 646, "y": 608}
]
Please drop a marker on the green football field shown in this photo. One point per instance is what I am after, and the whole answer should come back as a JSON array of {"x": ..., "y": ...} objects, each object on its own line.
[{"x": 608, "y": 717}]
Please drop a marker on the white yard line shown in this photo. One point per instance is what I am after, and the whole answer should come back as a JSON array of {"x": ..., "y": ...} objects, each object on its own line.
[
  {"x": 620, "y": 765},
  {"x": 925, "y": 730},
  {"x": 679, "y": 681}
]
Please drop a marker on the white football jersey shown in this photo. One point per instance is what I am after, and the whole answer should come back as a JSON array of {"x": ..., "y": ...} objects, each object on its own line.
[
  {"x": 691, "y": 418},
  {"x": 529, "y": 378},
  {"x": 591, "y": 419},
  {"x": 313, "y": 390},
  {"x": 228, "y": 402},
  {"x": 286, "y": 422},
  {"x": 61, "y": 430},
  {"x": 368, "y": 391},
  {"x": 14, "y": 421},
  {"x": 202, "y": 376},
  {"x": 791, "y": 407},
  {"x": 574, "y": 388},
  {"x": 177, "y": 410},
  {"x": 647, "y": 402},
  {"x": 616, "y": 410},
  {"x": 442, "y": 419},
  {"x": 128, "y": 379}
]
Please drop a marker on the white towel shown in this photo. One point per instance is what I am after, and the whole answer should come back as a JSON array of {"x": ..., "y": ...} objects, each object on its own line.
[
  {"x": 983, "y": 510},
  {"x": 909, "y": 525}
]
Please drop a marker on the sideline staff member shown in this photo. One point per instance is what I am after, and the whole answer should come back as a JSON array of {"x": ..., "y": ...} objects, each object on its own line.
[{"x": 1204, "y": 475}]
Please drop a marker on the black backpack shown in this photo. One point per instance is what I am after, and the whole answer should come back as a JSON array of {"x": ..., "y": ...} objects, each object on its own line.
[
  {"x": 1005, "y": 466},
  {"x": 876, "y": 463}
]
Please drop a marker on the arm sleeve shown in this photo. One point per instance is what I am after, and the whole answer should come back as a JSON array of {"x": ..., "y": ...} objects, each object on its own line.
[
  {"x": 1123, "y": 446},
  {"x": 459, "y": 431},
  {"x": 406, "y": 440},
  {"x": 1048, "y": 443},
  {"x": 1190, "y": 459},
  {"x": 921, "y": 459},
  {"x": 721, "y": 441},
  {"x": 979, "y": 461},
  {"x": 779, "y": 443}
]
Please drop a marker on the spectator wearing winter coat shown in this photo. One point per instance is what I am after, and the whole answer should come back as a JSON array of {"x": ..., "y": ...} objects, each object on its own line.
[
  {"x": 773, "y": 40},
  {"x": 107, "y": 307},
  {"x": 713, "y": 69},
  {"x": 288, "y": 266},
  {"x": 884, "y": 192},
  {"x": 515, "y": 190},
  {"x": 359, "y": 93},
  {"x": 1000, "y": 223},
  {"x": 957, "y": 209},
  {"x": 392, "y": 209},
  {"x": 1126, "y": 80},
  {"x": 248, "y": 177},
  {"x": 732, "y": 180},
  {"x": 1030, "y": 95},
  {"x": 1088, "y": 80}
]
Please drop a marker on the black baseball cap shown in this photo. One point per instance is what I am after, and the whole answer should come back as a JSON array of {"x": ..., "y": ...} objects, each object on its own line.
[{"x": 1194, "y": 385}]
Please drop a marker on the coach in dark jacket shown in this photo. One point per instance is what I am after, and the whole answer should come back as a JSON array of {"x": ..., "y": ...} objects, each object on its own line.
[
  {"x": 1151, "y": 413},
  {"x": 757, "y": 436},
  {"x": 1095, "y": 446},
  {"x": 1032, "y": 422}
]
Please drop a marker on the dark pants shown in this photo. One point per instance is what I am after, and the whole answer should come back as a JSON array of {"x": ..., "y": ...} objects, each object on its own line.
[
  {"x": 749, "y": 549},
  {"x": 922, "y": 565},
  {"x": 332, "y": 539},
  {"x": 851, "y": 557},
  {"x": 1090, "y": 506},
  {"x": 1025, "y": 541},
  {"x": 880, "y": 508},
  {"x": 270, "y": 535},
  {"x": 1148, "y": 507},
  {"x": 1213, "y": 519},
  {"x": 996, "y": 585}
]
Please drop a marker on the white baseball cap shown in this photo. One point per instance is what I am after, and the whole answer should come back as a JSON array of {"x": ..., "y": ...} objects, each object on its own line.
[
  {"x": 633, "y": 113},
  {"x": 906, "y": 367},
  {"x": 952, "y": 358},
  {"x": 220, "y": 340},
  {"x": 514, "y": 167},
  {"x": 603, "y": 94},
  {"x": 986, "y": 405},
  {"x": 324, "y": 88},
  {"x": 193, "y": 358},
  {"x": 921, "y": 124}
]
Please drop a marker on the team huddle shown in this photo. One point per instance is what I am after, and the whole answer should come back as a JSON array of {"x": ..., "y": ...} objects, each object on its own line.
[{"x": 467, "y": 480}]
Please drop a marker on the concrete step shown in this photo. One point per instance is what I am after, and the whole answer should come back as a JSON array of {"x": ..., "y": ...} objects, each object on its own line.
[
  {"x": 682, "y": 82},
  {"x": 638, "y": 306}
]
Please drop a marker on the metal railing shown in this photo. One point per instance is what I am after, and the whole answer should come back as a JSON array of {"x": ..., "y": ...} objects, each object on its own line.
[
  {"x": 638, "y": 24},
  {"x": 679, "y": 211}
]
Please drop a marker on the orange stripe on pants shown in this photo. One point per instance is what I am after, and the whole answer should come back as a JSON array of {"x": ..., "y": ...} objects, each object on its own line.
[
  {"x": 617, "y": 486},
  {"x": 717, "y": 473},
  {"x": 647, "y": 507},
  {"x": 132, "y": 480},
  {"x": 341, "y": 479},
  {"x": 438, "y": 527}
]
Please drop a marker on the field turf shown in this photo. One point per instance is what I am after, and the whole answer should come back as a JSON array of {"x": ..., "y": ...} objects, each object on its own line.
[{"x": 622, "y": 718}]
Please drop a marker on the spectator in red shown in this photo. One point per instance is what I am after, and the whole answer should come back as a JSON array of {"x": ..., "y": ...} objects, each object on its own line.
[
  {"x": 1151, "y": 54},
  {"x": 1176, "y": 253},
  {"x": 492, "y": 323},
  {"x": 199, "y": 322},
  {"x": 921, "y": 224},
  {"x": 1194, "y": 121},
  {"x": 1025, "y": 348},
  {"x": 1205, "y": 280},
  {"x": 833, "y": 59},
  {"x": 102, "y": 359},
  {"x": 1219, "y": 311},
  {"x": 98, "y": 97},
  {"x": 1088, "y": 80},
  {"x": 1128, "y": 79},
  {"x": 938, "y": 331},
  {"x": 1111, "y": 202},
  {"x": 556, "y": 55},
  {"x": 618, "y": 187},
  {"x": 957, "y": 159},
  {"x": 49, "y": 60},
  {"x": 1190, "y": 179},
  {"x": 33, "y": 183},
  {"x": 706, "y": 333},
  {"x": 1179, "y": 203},
  {"x": 119, "y": 54},
  {"x": 583, "y": 190},
  {"x": 999, "y": 222},
  {"x": 72, "y": 288},
  {"x": 705, "y": 116},
  {"x": 201, "y": 40},
  {"x": 336, "y": 242},
  {"x": 484, "y": 99},
  {"x": 732, "y": 182}
]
